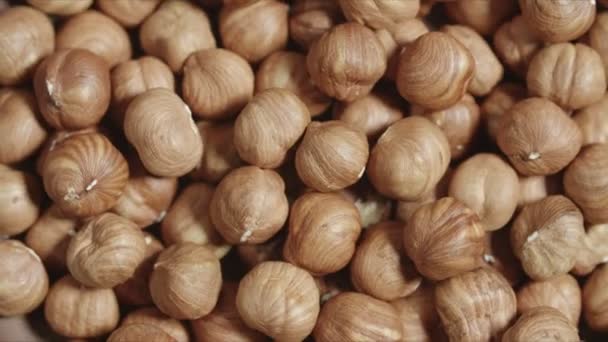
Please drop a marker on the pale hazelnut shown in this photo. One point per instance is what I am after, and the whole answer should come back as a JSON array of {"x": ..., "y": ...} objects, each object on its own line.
[
  {"x": 416, "y": 144},
  {"x": 558, "y": 21},
  {"x": 22, "y": 129},
  {"x": 475, "y": 306},
  {"x": 85, "y": 174},
  {"x": 269, "y": 126},
  {"x": 546, "y": 237},
  {"x": 186, "y": 281},
  {"x": 271, "y": 250},
  {"x": 219, "y": 153},
  {"x": 309, "y": 19},
  {"x": 539, "y": 324},
  {"x": 140, "y": 332},
  {"x": 593, "y": 122},
  {"x": 538, "y": 137},
  {"x": 405, "y": 209},
  {"x": 396, "y": 39},
  {"x": 283, "y": 69},
  {"x": 596, "y": 38},
  {"x": 594, "y": 251},
  {"x": 279, "y": 300},
  {"x": 24, "y": 279},
  {"x": 515, "y": 44},
  {"x": 489, "y": 186},
  {"x": 20, "y": 197},
  {"x": 347, "y": 61},
  {"x": 255, "y": 29},
  {"x": 27, "y": 37},
  {"x": 160, "y": 127},
  {"x": 444, "y": 239},
  {"x": 97, "y": 33},
  {"x": 76, "y": 311},
  {"x": 499, "y": 256},
  {"x": 419, "y": 319},
  {"x": 595, "y": 299},
  {"x": 61, "y": 7},
  {"x": 379, "y": 14},
  {"x": 434, "y": 71},
  {"x": 482, "y": 16},
  {"x": 560, "y": 292},
  {"x": 129, "y": 13},
  {"x": 309, "y": 237},
  {"x": 498, "y": 103},
  {"x": 151, "y": 316},
  {"x": 249, "y": 205},
  {"x": 174, "y": 31},
  {"x": 352, "y": 316}
]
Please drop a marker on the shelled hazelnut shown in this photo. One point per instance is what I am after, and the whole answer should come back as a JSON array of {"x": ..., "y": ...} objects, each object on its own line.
[
  {"x": 140, "y": 332},
  {"x": 20, "y": 197},
  {"x": 558, "y": 21},
  {"x": 594, "y": 299},
  {"x": 534, "y": 188},
  {"x": 594, "y": 251},
  {"x": 219, "y": 153},
  {"x": 560, "y": 292},
  {"x": 61, "y": 7},
  {"x": 396, "y": 38},
  {"x": 498, "y": 103},
  {"x": 152, "y": 316},
  {"x": 309, "y": 19},
  {"x": 593, "y": 123},
  {"x": 406, "y": 209},
  {"x": 482, "y": 16},
  {"x": 379, "y": 14},
  {"x": 271, "y": 250},
  {"x": 499, "y": 256},
  {"x": 419, "y": 319},
  {"x": 129, "y": 13},
  {"x": 596, "y": 40},
  {"x": 539, "y": 323},
  {"x": 515, "y": 44}
]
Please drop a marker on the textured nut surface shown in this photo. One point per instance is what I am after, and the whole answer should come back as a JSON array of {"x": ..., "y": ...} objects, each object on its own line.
[
  {"x": 482, "y": 16},
  {"x": 595, "y": 299},
  {"x": 20, "y": 198},
  {"x": 151, "y": 316},
  {"x": 140, "y": 332},
  {"x": 558, "y": 21},
  {"x": 560, "y": 292},
  {"x": 593, "y": 122},
  {"x": 596, "y": 40},
  {"x": 309, "y": 19},
  {"x": 61, "y": 7},
  {"x": 515, "y": 44},
  {"x": 419, "y": 319},
  {"x": 379, "y": 14},
  {"x": 538, "y": 324},
  {"x": 498, "y": 103},
  {"x": 128, "y": 13},
  {"x": 219, "y": 153}
]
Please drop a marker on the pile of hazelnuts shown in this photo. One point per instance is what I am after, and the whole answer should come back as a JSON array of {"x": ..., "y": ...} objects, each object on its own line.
[{"x": 319, "y": 170}]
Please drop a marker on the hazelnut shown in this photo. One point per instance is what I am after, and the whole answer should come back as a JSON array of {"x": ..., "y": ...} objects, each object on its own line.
[
  {"x": 539, "y": 324},
  {"x": 249, "y": 205},
  {"x": 579, "y": 64},
  {"x": 560, "y": 292},
  {"x": 309, "y": 236},
  {"x": 534, "y": 188},
  {"x": 482, "y": 16},
  {"x": 405, "y": 209},
  {"x": 475, "y": 306},
  {"x": 97, "y": 33},
  {"x": 309, "y": 19},
  {"x": 592, "y": 122},
  {"x": 186, "y": 281},
  {"x": 174, "y": 31},
  {"x": 140, "y": 332},
  {"x": 489, "y": 186},
  {"x": 61, "y": 7},
  {"x": 417, "y": 144},
  {"x": 332, "y": 156},
  {"x": 151, "y": 316},
  {"x": 585, "y": 184},
  {"x": 434, "y": 71},
  {"x": 271, "y": 250},
  {"x": 24, "y": 279},
  {"x": 27, "y": 37},
  {"x": 55, "y": 139},
  {"x": 460, "y": 124},
  {"x": 160, "y": 127},
  {"x": 594, "y": 299},
  {"x": 558, "y": 21},
  {"x": 444, "y": 239},
  {"x": 279, "y": 300},
  {"x": 189, "y": 220},
  {"x": 596, "y": 38},
  {"x": 516, "y": 44},
  {"x": 499, "y": 256},
  {"x": 377, "y": 267},
  {"x": 347, "y": 61},
  {"x": 352, "y": 316},
  {"x": 538, "y": 137},
  {"x": 224, "y": 322},
  {"x": 594, "y": 251},
  {"x": 498, "y": 103},
  {"x": 379, "y": 14},
  {"x": 129, "y": 13},
  {"x": 73, "y": 89},
  {"x": 255, "y": 29},
  {"x": 20, "y": 197},
  {"x": 546, "y": 237},
  {"x": 22, "y": 130},
  {"x": 271, "y": 123},
  {"x": 76, "y": 311},
  {"x": 419, "y": 319},
  {"x": 85, "y": 174},
  {"x": 219, "y": 153},
  {"x": 396, "y": 39},
  {"x": 283, "y": 69}
]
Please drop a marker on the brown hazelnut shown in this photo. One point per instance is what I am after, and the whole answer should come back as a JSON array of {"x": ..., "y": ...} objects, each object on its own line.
[
  {"x": 129, "y": 13},
  {"x": 499, "y": 256},
  {"x": 309, "y": 236},
  {"x": 73, "y": 89},
  {"x": 54, "y": 140},
  {"x": 255, "y": 29},
  {"x": 593, "y": 122},
  {"x": 219, "y": 153},
  {"x": 498, "y": 103},
  {"x": 379, "y": 14},
  {"x": 224, "y": 323},
  {"x": 482, "y": 16},
  {"x": 352, "y": 316},
  {"x": 396, "y": 39},
  {"x": 271, "y": 250},
  {"x": 20, "y": 197},
  {"x": 249, "y": 205},
  {"x": 140, "y": 332},
  {"x": 27, "y": 37},
  {"x": 558, "y": 21},
  {"x": 347, "y": 61},
  {"x": 378, "y": 268},
  {"x": 585, "y": 184},
  {"x": 538, "y": 137},
  {"x": 309, "y": 19},
  {"x": 269, "y": 126},
  {"x": 416, "y": 144},
  {"x": 546, "y": 237},
  {"x": 405, "y": 209},
  {"x": 460, "y": 124},
  {"x": 24, "y": 279},
  {"x": 189, "y": 220},
  {"x": 419, "y": 319},
  {"x": 283, "y": 69},
  {"x": 61, "y": 7},
  {"x": 596, "y": 38},
  {"x": 560, "y": 292},
  {"x": 444, "y": 239},
  {"x": 594, "y": 299},
  {"x": 475, "y": 306},
  {"x": 97, "y": 33},
  {"x": 160, "y": 127},
  {"x": 515, "y": 44},
  {"x": 76, "y": 311},
  {"x": 151, "y": 316},
  {"x": 489, "y": 186},
  {"x": 434, "y": 71},
  {"x": 85, "y": 174},
  {"x": 174, "y": 31},
  {"x": 332, "y": 156},
  {"x": 579, "y": 64},
  {"x": 539, "y": 324},
  {"x": 594, "y": 251},
  {"x": 22, "y": 129},
  {"x": 186, "y": 281},
  {"x": 279, "y": 300}
]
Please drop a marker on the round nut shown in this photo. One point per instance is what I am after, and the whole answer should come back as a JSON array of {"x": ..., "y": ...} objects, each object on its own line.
[
  {"x": 379, "y": 14},
  {"x": 498, "y": 103},
  {"x": 482, "y": 16},
  {"x": 558, "y": 21},
  {"x": 593, "y": 123},
  {"x": 151, "y": 316},
  {"x": 538, "y": 323},
  {"x": 419, "y": 319},
  {"x": 516, "y": 44},
  {"x": 219, "y": 153},
  {"x": 129, "y": 13},
  {"x": 61, "y": 7},
  {"x": 561, "y": 292},
  {"x": 140, "y": 332},
  {"x": 596, "y": 40},
  {"x": 20, "y": 197},
  {"x": 594, "y": 300},
  {"x": 309, "y": 19}
]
